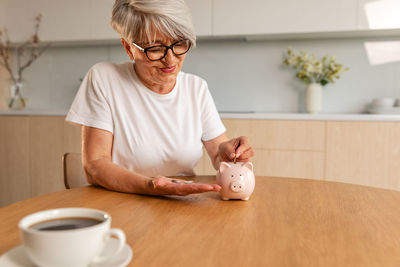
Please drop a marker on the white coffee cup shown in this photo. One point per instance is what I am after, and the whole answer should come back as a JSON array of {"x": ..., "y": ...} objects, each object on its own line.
[{"x": 75, "y": 247}]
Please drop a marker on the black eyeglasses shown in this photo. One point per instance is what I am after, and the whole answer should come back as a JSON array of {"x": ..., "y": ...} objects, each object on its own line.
[{"x": 159, "y": 52}]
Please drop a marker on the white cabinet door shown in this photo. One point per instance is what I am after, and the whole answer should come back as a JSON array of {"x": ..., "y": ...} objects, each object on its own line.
[
  {"x": 100, "y": 20},
  {"x": 61, "y": 21},
  {"x": 383, "y": 14},
  {"x": 19, "y": 18},
  {"x": 78, "y": 20},
  {"x": 202, "y": 16},
  {"x": 101, "y": 16},
  {"x": 72, "y": 20},
  {"x": 65, "y": 20},
  {"x": 2, "y": 15},
  {"x": 232, "y": 17}
]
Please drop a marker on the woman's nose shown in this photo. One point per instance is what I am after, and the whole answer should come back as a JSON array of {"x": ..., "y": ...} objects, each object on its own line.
[{"x": 170, "y": 56}]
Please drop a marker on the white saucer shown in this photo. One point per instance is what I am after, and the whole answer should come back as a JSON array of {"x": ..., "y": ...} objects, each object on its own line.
[
  {"x": 17, "y": 257},
  {"x": 120, "y": 260}
]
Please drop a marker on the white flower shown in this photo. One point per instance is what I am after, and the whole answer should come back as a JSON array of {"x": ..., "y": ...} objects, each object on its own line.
[{"x": 309, "y": 69}]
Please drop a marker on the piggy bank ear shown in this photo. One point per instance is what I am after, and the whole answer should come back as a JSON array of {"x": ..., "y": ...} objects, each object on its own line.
[
  {"x": 223, "y": 166},
  {"x": 248, "y": 165}
]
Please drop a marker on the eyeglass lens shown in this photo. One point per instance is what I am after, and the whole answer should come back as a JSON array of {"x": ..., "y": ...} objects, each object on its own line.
[{"x": 160, "y": 51}]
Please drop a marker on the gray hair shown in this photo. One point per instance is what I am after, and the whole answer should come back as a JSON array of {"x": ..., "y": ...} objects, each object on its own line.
[{"x": 140, "y": 20}]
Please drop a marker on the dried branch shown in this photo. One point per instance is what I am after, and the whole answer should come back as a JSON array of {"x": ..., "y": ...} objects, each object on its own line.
[
  {"x": 5, "y": 53},
  {"x": 33, "y": 57},
  {"x": 26, "y": 53}
]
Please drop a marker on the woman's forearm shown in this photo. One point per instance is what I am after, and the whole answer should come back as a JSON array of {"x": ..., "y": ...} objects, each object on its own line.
[{"x": 105, "y": 173}]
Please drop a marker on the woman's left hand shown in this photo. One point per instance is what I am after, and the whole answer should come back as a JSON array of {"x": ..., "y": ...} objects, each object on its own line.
[{"x": 239, "y": 147}]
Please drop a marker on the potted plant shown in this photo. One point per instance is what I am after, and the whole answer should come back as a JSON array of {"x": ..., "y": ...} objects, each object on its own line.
[{"x": 315, "y": 74}]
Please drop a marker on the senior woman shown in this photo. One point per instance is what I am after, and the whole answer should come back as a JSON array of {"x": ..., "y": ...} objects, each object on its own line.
[{"x": 145, "y": 120}]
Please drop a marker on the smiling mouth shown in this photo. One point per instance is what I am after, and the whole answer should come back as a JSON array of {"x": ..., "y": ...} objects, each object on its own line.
[{"x": 168, "y": 69}]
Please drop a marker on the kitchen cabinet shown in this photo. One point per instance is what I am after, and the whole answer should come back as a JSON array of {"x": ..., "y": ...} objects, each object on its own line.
[
  {"x": 88, "y": 21},
  {"x": 285, "y": 16},
  {"x": 366, "y": 153},
  {"x": 62, "y": 21},
  {"x": 66, "y": 20},
  {"x": 78, "y": 20},
  {"x": 2, "y": 15},
  {"x": 18, "y": 18},
  {"x": 202, "y": 16},
  {"x": 100, "y": 13},
  {"x": 15, "y": 182},
  {"x": 283, "y": 148},
  {"x": 31, "y": 155},
  {"x": 45, "y": 150}
]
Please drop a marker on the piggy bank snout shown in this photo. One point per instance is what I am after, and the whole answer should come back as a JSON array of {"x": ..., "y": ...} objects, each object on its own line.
[{"x": 237, "y": 186}]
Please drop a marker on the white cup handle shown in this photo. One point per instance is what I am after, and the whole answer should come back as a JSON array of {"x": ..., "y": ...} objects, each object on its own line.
[{"x": 121, "y": 242}]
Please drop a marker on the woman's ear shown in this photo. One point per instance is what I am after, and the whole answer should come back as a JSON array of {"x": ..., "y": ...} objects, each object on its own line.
[{"x": 127, "y": 48}]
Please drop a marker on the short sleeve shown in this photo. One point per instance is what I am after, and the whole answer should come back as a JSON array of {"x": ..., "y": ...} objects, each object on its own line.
[
  {"x": 211, "y": 122},
  {"x": 90, "y": 106}
]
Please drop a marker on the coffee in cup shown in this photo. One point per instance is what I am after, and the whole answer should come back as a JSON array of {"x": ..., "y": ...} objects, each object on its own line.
[
  {"x": 68, "y": 236},
  {"x": 60, "y": 224}
]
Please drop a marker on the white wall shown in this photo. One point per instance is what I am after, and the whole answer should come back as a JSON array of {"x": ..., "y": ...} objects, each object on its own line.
[{"x": 242, "y": 75}]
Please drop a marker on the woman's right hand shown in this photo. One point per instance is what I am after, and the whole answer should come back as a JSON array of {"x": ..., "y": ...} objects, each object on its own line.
[{"x": 167, "y": 186}]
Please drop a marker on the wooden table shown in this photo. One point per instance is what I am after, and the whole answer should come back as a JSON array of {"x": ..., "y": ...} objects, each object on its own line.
[{"x": 287, "y": 222}]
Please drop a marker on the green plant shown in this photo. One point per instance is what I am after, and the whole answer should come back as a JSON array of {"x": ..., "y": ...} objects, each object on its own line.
[{"x": 310, "y": 70}]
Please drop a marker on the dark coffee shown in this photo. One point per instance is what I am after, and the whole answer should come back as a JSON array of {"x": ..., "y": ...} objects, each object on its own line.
[{"x": 69, "y": 223}]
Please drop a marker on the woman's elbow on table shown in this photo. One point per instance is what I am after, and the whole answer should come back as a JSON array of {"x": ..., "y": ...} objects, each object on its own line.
[{"x": 91, "y": 169}]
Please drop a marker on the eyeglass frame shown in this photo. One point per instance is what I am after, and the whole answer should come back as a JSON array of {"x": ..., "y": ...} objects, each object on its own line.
[{"x": 144, "y": 50}]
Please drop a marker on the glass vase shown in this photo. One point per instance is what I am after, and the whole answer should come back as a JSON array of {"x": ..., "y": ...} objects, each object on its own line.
[{"x": 16, "y": 100}]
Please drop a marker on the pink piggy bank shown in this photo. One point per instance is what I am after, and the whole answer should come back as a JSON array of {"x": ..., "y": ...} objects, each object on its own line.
[{"x": 236, "y": 180}]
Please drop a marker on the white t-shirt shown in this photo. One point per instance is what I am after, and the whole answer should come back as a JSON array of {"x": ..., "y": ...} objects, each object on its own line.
[{"x": 154, "y": 134}]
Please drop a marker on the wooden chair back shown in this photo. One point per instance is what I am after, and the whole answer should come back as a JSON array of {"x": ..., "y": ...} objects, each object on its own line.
[{"x": 74, "y": 175}]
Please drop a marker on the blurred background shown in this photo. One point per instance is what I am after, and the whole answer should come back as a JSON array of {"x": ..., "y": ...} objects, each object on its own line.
[{"x": 239, "y": 52}]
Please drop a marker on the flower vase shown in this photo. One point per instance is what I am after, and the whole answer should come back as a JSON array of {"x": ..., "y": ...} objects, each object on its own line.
[
  {"x": 313, "y": 98},
  {"x": 16, "y": 100}
]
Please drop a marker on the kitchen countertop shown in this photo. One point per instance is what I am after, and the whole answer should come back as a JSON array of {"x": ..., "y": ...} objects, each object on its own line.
[
  {"x": 316, "y": 117},
  {"x": 35, "y": 112},
  {"x": 241, "y": 115}
]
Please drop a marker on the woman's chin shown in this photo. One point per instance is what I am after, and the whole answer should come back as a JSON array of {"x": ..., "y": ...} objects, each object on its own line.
[{"x": 168, "y": 77}]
